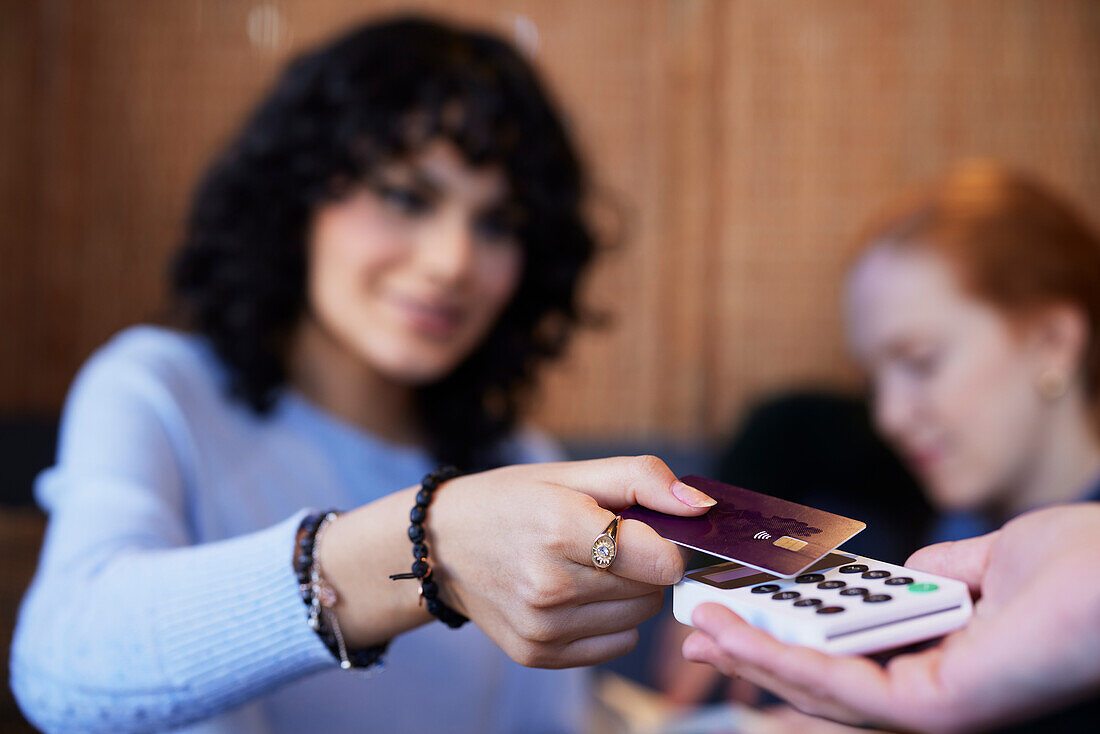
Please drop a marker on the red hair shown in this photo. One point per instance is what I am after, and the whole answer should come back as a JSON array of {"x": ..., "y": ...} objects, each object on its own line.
[{"x": 1016, "y": 243}]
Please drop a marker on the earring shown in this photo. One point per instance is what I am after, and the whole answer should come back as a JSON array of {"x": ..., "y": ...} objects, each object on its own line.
[{"x": 1052, "y": 384}]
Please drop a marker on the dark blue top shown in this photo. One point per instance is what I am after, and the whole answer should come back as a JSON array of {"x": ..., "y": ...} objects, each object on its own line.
[{"x": 959, "y": 525}]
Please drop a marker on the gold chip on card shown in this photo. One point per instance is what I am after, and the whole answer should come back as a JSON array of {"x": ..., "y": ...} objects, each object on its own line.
[{"x": 790, "y": 543}]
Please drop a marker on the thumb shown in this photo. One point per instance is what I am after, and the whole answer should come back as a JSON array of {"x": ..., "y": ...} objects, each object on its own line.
[
  {"x": 960, "y": 559},
  {"x": 622, "y": 481}
]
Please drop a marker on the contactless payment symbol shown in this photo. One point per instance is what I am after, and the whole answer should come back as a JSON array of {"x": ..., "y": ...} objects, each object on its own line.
[{"x": 762, "y": 535}]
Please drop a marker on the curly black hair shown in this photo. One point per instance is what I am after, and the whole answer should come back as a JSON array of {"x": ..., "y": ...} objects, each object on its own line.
[{"x": 377, "y": 94}]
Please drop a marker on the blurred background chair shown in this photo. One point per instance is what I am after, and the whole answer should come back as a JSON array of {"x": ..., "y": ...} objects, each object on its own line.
[{"x": 26, "y": 447}]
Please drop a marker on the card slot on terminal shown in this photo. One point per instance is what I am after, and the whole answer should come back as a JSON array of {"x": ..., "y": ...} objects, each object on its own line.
[{"x": 736, "y": 576}]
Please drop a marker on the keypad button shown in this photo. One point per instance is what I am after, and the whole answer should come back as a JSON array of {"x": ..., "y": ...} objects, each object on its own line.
[
  {"x": 854, "y": 591},
  {"x": 873, "y": 598},
  {"x": 831, "y": 585},
  {"x": 853, "y": 568},
  {"x": 810, "y": 578},
  {"x": 923, "y": 588},
  {"x": 808, "y": 603},
  {"x": 830, "y": 610},
  {"x": 899, "y": 581},
  {"x": 765, "y": 589},
  {"x": 785, "y": 595},
  {"x": 876, "y": 574}
]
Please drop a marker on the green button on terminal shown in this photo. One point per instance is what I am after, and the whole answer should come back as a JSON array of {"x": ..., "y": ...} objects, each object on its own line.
[{"x": 922, "y": 588}]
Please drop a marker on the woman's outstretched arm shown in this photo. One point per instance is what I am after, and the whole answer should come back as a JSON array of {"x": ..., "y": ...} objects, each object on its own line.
[{"x": 130, "y": 625}]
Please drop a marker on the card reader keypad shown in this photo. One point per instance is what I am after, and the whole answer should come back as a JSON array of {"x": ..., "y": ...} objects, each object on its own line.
[
  {"x": 844, "y": 603},
  {"x": 850, "y": 594}
]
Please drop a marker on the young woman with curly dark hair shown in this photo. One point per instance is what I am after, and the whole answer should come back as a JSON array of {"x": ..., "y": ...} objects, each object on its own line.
[{"x": 372, "y": 272}]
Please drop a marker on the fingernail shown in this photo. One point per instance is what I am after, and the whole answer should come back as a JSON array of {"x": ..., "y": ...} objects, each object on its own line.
[{"x": 690, "y": 496}]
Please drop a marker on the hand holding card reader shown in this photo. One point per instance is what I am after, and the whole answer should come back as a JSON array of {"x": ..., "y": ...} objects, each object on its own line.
[{"x": 786, "y": 577}]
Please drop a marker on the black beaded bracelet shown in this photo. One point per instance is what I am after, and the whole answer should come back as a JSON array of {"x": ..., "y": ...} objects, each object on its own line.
[
  {"x": 320, "y": 597},
  {"x": 421, "y": 569}
]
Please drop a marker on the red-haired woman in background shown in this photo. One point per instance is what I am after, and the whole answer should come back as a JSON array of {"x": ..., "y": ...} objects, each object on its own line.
[{"x": 974, "y": 309}]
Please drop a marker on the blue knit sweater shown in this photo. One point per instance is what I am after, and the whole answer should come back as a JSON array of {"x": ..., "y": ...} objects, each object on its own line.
[{"x": 164, "y": 596}]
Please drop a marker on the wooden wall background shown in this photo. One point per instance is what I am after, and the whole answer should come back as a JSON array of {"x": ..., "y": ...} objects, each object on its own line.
[{"x": 747, "y": 141}]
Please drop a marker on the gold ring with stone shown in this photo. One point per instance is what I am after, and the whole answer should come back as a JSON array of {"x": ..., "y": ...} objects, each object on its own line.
[{"x": 604, "y": 548}]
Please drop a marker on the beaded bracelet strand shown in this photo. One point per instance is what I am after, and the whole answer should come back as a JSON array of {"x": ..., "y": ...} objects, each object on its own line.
[
  {"x": 320, "y": 598},
  {"x": 421, "y": 569}
]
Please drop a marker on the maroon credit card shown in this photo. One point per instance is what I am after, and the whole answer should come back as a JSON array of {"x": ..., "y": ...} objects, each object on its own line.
[{"x": 766, "y": 533}]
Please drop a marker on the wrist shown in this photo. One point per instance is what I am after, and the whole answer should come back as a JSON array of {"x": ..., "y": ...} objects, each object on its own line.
[
  {"x": 360, "y": 549},
  {"x": 320, "y": 597}
]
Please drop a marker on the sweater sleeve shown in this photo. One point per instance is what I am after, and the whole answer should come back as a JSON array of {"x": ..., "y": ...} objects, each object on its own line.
[{"x": 129, "y": 625}]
